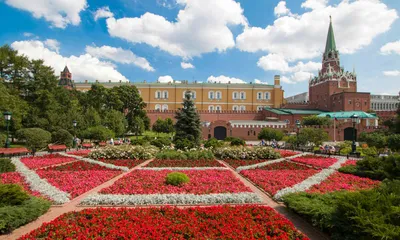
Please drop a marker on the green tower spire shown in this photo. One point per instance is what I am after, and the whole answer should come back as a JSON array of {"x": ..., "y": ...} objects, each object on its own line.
[{"x": 330, "y": 41}]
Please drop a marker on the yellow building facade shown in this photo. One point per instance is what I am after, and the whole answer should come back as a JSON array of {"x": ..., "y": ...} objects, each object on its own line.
[{"x": 207, "y": 96}]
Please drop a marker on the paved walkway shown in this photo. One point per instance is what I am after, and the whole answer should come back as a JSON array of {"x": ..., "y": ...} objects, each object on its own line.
[{"x": 56, "y": 211}]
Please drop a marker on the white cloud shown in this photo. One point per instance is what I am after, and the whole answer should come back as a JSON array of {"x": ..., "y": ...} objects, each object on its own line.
[
  {"x": 390, "y": 48},
  {"x": 103, "y": 12},
  {"x": 394, "y": 73},
  {"x": 83, "y": 67},
  {"x": 314, "y": 4},
  {"x": 170, "y": 4},
  {"x": 167, "y": 79},
  {"x": 297, "y": 77},
  {"x": 224, "y": 79},
  {"x": 201, "y": 26},
  {"x": 59, "y": 13},
  {"x": 186, "y": 65},
  {"x": 52, "y": 44},
  {"x": 281, "y": 9},
  {"x": 257, "y": 81},
  {"x": 28, "y": 34},
  {"x": 273, "y": 62},
  {"x": 286, "y": 80},
  {"x": 356, "y": 24},
  {"x": 119, "y": 55}
]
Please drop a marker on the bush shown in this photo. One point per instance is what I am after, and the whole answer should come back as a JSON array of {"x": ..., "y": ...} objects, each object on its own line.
[
  {"x": 394, "y": 142},
  {"x": 99, "y": 133},
  {"x": 255, "y": 153},
  {"x": 270, "y": 134},
  {"x": 12, "y": 217},
  {"x": 213, "y": 143},
  {"x": 125, "y": 152},
  {"x": 185, "y": 144},
  {"x": 170, "y": 154},
  {"x": 6, "y": 165},
  {"x": 229, "y": 139},
  {"x": 161, "y": 142},
  {"x": 200, "y": 155},
  {"x": 62, "y": 136},
  {"x": 139, "y": 142},
  {"x": 238, "y": 142},
  {"x": 12, "y": 194},
  {"x": 35, "y": 138},
  {"x": 373, "y": 139},
  {"x": 176, "y": 179}
]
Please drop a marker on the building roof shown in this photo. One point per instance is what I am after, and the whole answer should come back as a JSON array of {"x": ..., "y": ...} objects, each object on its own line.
[
  {"x": 330, "y": 41},
  {"x": 254, "y": 123},
  {"x": 284, "y": 111},
  {"x": 66, "y": 70},
  {"x": 347, "y": 114}
]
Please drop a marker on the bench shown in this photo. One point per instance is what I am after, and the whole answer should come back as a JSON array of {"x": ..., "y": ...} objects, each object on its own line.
[
  {"x": 56, "y": 148},
  {"x": 13, "y": 151},
  {"x": 87, "y": 145},
  {"x": 102, "y": 144}
]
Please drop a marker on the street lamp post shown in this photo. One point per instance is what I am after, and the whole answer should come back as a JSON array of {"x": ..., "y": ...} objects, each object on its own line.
[
  {"x": 7, "y": 118},
  {"x": 298, "y": 125},
  {"x": 74, "y": 123},
  {"x": 354, "y": 120}
]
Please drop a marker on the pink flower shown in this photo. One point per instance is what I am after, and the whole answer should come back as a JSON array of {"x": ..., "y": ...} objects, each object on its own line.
[
  {"x": 318, "y": 161},
  {"x": 45, "y": 161}
]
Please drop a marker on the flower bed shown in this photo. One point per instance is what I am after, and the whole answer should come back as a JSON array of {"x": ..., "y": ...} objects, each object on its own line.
[
  {"x": 286, "y": 153},
  {"x": 184, "y": 163},
  {"x": 246, "y": 153},
  {"x": 79, "y": 166},
  {"x": 77, "y": 182},
  {"x": 201, "y": 182},
  {"x": 130, "y": 163},
  {"x": 284, "y": 165},
  {"x": 349, "y": 163},
  {"x": 81, "y": 153},
  {"x": 340, "y": 181},
  {"x": 238, "y": 163},
  {"x": 318, "y": 161},
  {"x": 124, "y": 152},
  {"x": 45, "y": 161},
  {"x": 217, "y": 222},
  {"x": 16, "y": 178},
  {"x": 274, "y": 180}
]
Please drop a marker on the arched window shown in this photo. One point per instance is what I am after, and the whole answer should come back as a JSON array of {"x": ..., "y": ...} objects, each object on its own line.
[
  {"x": 158, "y": 107},
  {"x": 267, "y": 95},
  {"x": 260, "y": 108},
  {"x": 235, "y": 108},
  {"x": 158, "y": 94},
  {"x": 242, "y": 95},
  {"x": 259, "y": 95},
  {"x": 218, "y": 108},
  {"x": 165, "y": 94},
  {"x": 164, "y": 107},
  {"x": 210, "y": 95},
  {"x": 211, "y": 108},
  {"x": 242, "y": 108},
  {"x": 218, "y": 95},
  {"x": 235, "y": 95}
]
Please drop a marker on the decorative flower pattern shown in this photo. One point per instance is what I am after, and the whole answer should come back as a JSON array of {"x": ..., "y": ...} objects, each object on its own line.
[
  {"x": 184, "y": 163},
  {"x": 45, "y": 160},
  {"x": 317, "y": 161}
]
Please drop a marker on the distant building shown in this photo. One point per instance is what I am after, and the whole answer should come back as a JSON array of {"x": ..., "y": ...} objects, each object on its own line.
[
  {"x": 299, "y": 98},
  {"x": 385, "y": 102}
]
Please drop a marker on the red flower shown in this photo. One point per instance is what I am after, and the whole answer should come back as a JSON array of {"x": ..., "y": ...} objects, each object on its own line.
[
  {"x": 184, "y": 163},
  {"x": 317, "y": 161},
  {"x": 45, "y": 160}
]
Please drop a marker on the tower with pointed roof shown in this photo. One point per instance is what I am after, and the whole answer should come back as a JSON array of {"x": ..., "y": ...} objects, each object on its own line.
[{"x": 66, "y": 79}]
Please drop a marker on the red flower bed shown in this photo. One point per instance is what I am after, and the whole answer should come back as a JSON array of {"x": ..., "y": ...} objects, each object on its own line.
[
  {"x": 201, "y": 182},
  {"x": 217, "y": 222},
  {"x": 286, "y": 153},
  {"x": 274, "y": 180},
  {"x": 238, "y": 163},
  {"x": 341, "y": 181},
  {"x": 80, "y": 166},
  {"x": 317, "y": 161},
  {"x": 45, "y": 161},
  {"x": 82, "y": 153},
  {"x": 76, "y": 182},
  {"x": 285, "y": 165},
  {"x": 16, "y": 178},
  {"x": 184, "y": 163},
  {"x": 349, "y": 162},
  {"x": 130, "y": 163}
]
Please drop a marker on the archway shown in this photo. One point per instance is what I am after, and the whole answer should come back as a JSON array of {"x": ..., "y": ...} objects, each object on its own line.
[
  {"x": 220, "y": 133},
  {"x": 348, "y": 134}
]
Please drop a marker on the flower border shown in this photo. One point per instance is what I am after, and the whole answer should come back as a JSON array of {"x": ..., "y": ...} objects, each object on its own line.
[
  {"x": 107, "y": 165},
  {"x": 182, "y": 168},
  {"x": 154, "y": 199},
  {"x": 254, "y": 166},
  {"x": 40, "y": 185}
]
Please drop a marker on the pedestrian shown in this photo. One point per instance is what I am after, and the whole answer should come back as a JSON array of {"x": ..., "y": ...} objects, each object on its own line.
[{"x": 112, "y": 141}]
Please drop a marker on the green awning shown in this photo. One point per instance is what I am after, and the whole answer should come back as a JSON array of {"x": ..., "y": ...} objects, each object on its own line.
[{"x": 348, "y": 114}]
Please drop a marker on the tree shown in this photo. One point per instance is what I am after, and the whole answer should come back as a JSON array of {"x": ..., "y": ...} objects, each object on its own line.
[
  {"x": 137, "y": 126},
  {"x": 314, "y": 136},
  {"x": 115, "y": 121},
  {"x": 394, "y": 142},
  {"x": 269, "y": 134},
  {"x": 35, "y": 138},
  {"x": 163, "y": 126},
  {"x": 62, "y": 136},
  {"x": 316, "y": 121},
  {"x": 99, "y": 133},
  {"x": 374, "y": 139},
  {"x": 188, "y": 125}
]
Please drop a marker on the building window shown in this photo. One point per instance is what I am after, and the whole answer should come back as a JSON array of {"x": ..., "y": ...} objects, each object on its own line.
[
  {"x": 242, "y": 95},
  {"x": 193, "y": 94},
  {"x": 235, "y": 108},
  {"x": 211, "y": 108},
  {"x": 235, "y": 95},
  {"x": 218, "y": 108},
  {"x": 158, "y": 94},
  {"x": 165, "y": 94},
  {"x": 242, "y": 108},
  {"x": 349, "y": 101},
  {"x": 164, "y": 107},
  {"x": 267, "y": 96},
  {"x": 218, "y": 95},
  {"x": 210, "y": 95},
  {"x": 287, "y": 121},
  {"x": 158, "y": 107},
  {"x": 259, "y": 95}
]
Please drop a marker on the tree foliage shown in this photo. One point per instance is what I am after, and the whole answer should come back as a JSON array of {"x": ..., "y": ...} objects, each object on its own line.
[
  {"x": 316, "y": 121},
  {"x": 313, "y": 136},
  {"x": 270, "y": 134},
  {"x": 164, "y": 126},
  {"x": 35, "y": 138},
  {"x": 62, "y": 136}
]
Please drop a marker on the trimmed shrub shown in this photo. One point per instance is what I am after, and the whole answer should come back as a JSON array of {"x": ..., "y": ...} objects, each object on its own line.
[
  {"x": 12, "y": 217},
  {"x": 12, "y": 194},
  {"x": 185, "y": 144},
  {"x": 99, "y": 133},
  {"x": 35, "y": 138},
  {"x": 171, "y": 155},
  {"x": 161, "y": 142},
  {"x": 213, "y": 143},
  {"x": 229, "y": 139},
  {"x": 176, "y": 179},
  {"x": 62, "y": 136},
  {"x": 238, "y": 142},
  {"x": 6, "y": 165},
  {"x": 270, "y": 134},
  {"x": 139, "y": 142}
]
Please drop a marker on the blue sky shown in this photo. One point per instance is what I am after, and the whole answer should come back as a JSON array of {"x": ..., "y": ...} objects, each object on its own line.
[{"x": 223, "y": 40}]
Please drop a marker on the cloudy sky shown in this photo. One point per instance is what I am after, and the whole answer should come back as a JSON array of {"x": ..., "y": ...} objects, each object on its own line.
[{"x": 208, "y": 40}]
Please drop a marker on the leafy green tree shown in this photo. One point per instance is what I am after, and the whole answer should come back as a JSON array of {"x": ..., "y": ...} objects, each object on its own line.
[
  {"x": 188, "y": 125},
  {"x": 115, "y": 121},
  {"x": 269, "y": 134},
  {"x": 14, "y": 104},
  {"x": 394, "y": 142},
  {"x": 35, "y": 138},
  {"x": 163, "y": 126},
  {"x": 316, "y": 121},
  {"x": 373, "y": 139},
  {"x": 313, "y": 136},
  {"x": 99, "y": 133},
  {"x": 137, "y": 126},
  {"x": 62, "y": 136}
]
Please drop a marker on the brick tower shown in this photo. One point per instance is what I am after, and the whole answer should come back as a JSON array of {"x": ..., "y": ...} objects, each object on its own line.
[{"x": 66, "y": 79}]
